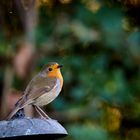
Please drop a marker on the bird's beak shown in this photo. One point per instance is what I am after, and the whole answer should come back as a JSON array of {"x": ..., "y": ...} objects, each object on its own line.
[{"x": 59, "y": 66}]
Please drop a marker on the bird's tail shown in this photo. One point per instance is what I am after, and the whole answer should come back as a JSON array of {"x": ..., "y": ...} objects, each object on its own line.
[
  {"x": 21, "y": 103},
  {"x": 16, "y": 109}
]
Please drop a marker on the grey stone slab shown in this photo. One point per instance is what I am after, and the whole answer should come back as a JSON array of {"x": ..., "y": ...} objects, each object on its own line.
[{"x": 31, "y": 127}]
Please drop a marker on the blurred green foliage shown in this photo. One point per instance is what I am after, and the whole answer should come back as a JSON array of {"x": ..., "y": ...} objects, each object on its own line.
[{"x": 101, "y": 58}]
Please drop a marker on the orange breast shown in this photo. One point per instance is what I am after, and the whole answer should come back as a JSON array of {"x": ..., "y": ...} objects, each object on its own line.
[{"x": 56, "y": 73}]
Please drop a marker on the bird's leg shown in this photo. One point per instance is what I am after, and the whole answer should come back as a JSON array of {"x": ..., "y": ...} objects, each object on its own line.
[
  {"x": 38, "y": 112},
  {"x": 41, "y": 112}
]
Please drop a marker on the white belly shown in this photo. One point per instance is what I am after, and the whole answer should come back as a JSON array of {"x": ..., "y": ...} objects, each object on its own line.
[{"x": 48, "y": 96}]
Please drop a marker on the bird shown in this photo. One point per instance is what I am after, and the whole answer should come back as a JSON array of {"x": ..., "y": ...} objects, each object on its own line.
[{"x": 41, "y": 90}]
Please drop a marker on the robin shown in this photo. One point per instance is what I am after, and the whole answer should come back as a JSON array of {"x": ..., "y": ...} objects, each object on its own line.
[{"x": 41, "y": 90}]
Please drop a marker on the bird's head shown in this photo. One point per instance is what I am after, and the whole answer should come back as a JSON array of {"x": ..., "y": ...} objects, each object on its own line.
[{"x": 52, "y": 69}]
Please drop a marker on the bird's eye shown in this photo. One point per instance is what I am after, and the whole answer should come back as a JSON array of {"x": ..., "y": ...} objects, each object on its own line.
[{"x": 50, "y": 69}]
